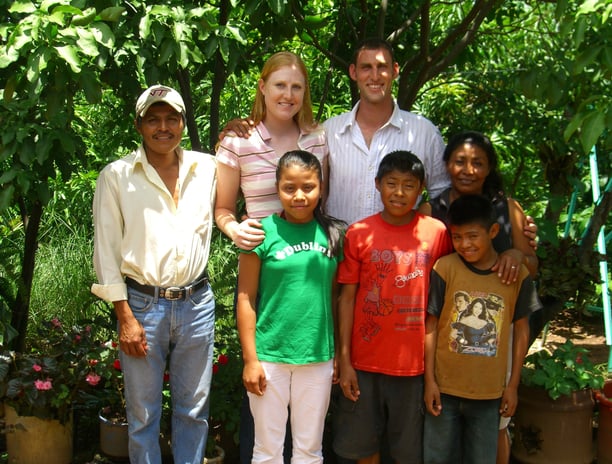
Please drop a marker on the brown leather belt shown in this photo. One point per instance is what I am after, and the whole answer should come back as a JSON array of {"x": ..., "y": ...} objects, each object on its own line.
[{"x": 169, "y": 293}]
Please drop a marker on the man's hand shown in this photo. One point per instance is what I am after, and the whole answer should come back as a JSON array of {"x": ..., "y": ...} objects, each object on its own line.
[
  {"x": 132, "y": 338},
  {"x": 240, "y": 127}
]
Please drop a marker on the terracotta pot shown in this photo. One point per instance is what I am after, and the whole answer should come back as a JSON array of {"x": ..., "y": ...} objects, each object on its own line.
[
  {"x": 604, "y": 431},
  {"x": 30, "y": 440},
  {"x": 553, "y": 431},
  {"x": 113, "y": 437}
]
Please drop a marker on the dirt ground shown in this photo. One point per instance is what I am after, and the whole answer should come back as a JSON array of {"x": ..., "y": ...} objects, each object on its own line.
[{"x": 583, "y": 330}]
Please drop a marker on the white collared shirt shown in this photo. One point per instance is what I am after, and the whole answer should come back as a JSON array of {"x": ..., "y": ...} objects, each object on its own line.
[
  {"x": 353, "y": 166},
  {"x": 140, "y": 233}
]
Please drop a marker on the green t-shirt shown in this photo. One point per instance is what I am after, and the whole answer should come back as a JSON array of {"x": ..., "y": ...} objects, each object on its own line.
[{"x": 294, "y": 314}]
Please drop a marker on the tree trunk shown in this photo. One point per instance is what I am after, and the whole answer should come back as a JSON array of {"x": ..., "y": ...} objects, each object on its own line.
[
  {"x": 192, "y": 128},
  {"x": 218, "y": 82},
  {"x": 21, "y": 310},
  {"x": 558, "y": 169}
]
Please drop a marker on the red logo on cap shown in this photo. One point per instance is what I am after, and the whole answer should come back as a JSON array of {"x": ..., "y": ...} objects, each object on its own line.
[{"x": 158, "y": 93}]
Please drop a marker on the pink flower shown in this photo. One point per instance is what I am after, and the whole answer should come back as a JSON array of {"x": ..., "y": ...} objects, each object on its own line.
[
  {"x": 56, "y": 323},
  {"x": 215, "y": 368},
  {"x": 92, "y": 379},
  {"x": 36, "y": 368},
  {"x": 77, "y": 338},
  {"x": 93, "y": 362},
  {"x": 114, "y": 344},
  {"x": 43, "y": 384},
  {"x": 223, "y": 359},
  {"x": 117, "y": 364}
]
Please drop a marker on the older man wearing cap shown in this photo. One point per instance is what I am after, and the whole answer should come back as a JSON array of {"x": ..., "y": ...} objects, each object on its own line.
[{"x": 153, "y": 218}]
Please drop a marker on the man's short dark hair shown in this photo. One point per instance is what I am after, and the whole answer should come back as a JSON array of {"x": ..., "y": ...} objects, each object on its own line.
[
  {"x": 373, "y": 43},
  {"x": 402, "y": 161},
  {"x": 470, "y": 209}
]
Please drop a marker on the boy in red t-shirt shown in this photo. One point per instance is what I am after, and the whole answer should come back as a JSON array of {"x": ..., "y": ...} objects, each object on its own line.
[{"x": 385, "y": 275}]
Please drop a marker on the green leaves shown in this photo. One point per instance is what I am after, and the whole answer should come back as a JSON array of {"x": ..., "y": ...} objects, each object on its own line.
[
  {"x": 70, "y": 54},
  {"x": 567, "y": 369},
  {"x": 21, "y": 6}
]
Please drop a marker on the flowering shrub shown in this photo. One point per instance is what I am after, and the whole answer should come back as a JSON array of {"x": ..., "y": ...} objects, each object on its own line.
[
  {"x": 106, "y": 388},
  {"x": 567, "y": 369},
  {"x": 105, "y": 380},
  {"x": 47, "y": 379},
  {"x": 226, "y": 386}
]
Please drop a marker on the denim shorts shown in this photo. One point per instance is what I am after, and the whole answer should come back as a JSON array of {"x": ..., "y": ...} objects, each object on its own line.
[
  {"x": 390, "y": 406},
  {"x": 465, "y": 431}
]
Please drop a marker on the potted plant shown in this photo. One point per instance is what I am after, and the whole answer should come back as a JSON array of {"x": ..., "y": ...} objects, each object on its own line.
[
  {"x": 39, "y": 388},
  {"x": 106, "y": 394},
  {"x": 604, "y": 423},
  {"x": 553, "y": 421}
]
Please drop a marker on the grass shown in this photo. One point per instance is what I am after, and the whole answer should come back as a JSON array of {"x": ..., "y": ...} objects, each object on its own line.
[
  {"x": 61, "y": 289},
  {"x": 62, "y": 280}
]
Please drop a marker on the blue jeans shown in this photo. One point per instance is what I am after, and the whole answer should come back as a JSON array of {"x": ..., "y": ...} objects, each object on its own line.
[
  {"x": 183, "y": 331},
  {"x": 465, "y": 431}
]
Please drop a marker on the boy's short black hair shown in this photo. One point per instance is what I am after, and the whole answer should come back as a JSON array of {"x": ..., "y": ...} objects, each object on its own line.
[
  {"x": 402, "y": 161},
  {"x": 470, "y": 209}
]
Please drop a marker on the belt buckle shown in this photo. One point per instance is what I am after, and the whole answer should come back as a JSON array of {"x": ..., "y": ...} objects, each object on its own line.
[{"x": 173, "y": 293}]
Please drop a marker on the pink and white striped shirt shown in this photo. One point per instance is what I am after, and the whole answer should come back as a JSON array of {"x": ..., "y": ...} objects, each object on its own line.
[{"x": 257, "y": 161}]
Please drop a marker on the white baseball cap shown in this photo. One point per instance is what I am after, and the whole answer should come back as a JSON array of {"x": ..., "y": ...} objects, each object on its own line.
[{"x": 159, "y": 93}]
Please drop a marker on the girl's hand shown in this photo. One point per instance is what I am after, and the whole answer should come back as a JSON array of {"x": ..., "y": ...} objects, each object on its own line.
[
  {"x": 247, "y": 234},
  {"x": 254, "y": 378}
]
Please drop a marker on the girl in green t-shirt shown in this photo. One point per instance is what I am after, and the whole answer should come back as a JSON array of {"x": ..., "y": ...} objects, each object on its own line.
[{"x": 285, "y": 313}]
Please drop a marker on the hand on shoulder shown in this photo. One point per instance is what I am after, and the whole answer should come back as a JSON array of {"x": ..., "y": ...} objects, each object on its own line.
[{"x": 237, "y": 127}]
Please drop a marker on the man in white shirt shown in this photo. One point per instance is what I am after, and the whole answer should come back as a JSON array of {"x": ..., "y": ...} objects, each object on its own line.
[
  {"x": 375, "y": 127},
  {"x": 153, "y": 219}
]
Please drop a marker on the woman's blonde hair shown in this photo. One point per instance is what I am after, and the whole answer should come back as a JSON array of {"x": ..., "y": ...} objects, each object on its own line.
[{"x": 303, "y": 118}]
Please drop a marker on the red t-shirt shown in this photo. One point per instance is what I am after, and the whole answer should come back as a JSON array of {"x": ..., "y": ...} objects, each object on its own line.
[{"x": 391, "y": 264}]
